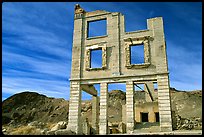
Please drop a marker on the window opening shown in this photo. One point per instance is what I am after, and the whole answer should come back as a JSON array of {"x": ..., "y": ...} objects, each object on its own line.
[
  {"x": 97, "y": 28},
  {"x": 157, "y": 116},
  {"x": 137, "y": 54},
  {"x": 155, "y": 86},
  {"x": 96, "y": 58},
  {"x": 144, "y": 117}
]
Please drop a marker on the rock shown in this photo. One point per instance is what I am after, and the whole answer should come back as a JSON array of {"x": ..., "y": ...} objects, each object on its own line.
[
  {"x": 34, "y": 123},
  {"x": 59, "y": 125},
  {"x": 3, "y": 129}
]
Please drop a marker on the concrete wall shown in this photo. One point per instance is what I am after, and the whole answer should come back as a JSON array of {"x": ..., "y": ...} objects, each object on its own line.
[
  {"x": 116, "y": 66},
  {"x": 114, "y": 42},
  {"x": 149, "y": 107}
]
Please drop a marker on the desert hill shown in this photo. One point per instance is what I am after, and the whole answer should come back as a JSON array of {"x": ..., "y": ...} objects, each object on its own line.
[{"x": 27, "y": 107}]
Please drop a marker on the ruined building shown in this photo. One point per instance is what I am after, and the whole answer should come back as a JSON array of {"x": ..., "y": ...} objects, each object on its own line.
[{"x": 117, "y": 67}]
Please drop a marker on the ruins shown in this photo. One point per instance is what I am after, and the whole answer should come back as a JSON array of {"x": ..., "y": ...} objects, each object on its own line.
[{"x": 117, "y": 67}]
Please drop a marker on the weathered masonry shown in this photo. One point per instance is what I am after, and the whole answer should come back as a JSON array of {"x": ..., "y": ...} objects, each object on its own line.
[{"x": 117, "y": 67}]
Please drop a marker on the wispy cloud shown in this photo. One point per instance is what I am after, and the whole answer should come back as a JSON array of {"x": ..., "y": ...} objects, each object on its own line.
[
  {"x": 185, "y": 67},
  {"x": 35, "y": 56}
]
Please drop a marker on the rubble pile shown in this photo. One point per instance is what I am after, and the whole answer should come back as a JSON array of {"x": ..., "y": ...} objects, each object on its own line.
[{"x": 188, "y": 123}]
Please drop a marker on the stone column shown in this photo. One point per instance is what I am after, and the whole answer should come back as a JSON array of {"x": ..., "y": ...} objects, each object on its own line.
[
  {"x": 103, "y": 118},
  {"x": 164, "y": 103},
  {"x": 114, "y": 38},
  {"x": 74, "y": 122},
  {"x": 95, "y": 110},
  {"x": 156, "y": 26},
  {"x": 130, "y": 111}
]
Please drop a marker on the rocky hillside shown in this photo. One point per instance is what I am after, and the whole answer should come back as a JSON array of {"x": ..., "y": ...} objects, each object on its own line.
[
  {"x": 187, "y": 104},
  {"x": 25, "y": 108}
]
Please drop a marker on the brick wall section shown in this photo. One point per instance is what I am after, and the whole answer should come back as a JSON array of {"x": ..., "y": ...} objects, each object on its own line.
[
  {"x": 130, "y": 112},
  {"x": 164, "y": 103},
  {"x": 75, "y": 108},
  {"x": 103, "y": 118}
]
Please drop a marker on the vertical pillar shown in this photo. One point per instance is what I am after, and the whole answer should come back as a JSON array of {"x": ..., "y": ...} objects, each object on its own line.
[
  {"x": 103, "y": 119},
  {"x": 130, "y": 119},
  {"x": 74, "y": 123},
  {"x": 159, "y": 50},
  {"x": 164, "y": 103},
  {"x": 114, "y": 37},
  {"x": 95, "y": 109}
]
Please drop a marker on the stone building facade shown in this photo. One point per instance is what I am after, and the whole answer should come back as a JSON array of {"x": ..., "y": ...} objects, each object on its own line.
[{"x": 116, "y": 67}]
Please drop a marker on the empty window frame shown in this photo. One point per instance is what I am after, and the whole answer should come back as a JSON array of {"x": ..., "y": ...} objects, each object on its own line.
[
  {"x": 137, "y": 54},
  {"x": 96, "y": 58},
  {"x": 97, "y": 28}
]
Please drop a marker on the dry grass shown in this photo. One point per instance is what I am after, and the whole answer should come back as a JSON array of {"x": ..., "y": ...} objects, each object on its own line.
[
  {"x": 28, "y": 130},
  {"x": 25, "y": 130}
]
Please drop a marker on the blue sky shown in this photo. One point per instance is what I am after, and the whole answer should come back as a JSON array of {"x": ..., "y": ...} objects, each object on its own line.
[{"x": 37, "y": 43}]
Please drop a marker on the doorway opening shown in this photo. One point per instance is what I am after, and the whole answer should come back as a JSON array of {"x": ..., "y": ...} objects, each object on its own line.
[
  {"x": 90, "y": 109},
  {"x": 116, "y": 103}
]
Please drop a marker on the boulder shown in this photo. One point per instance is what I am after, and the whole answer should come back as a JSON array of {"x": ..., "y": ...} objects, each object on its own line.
[
  {"x": 59, "y": 125},
  {"x": 34, "y": 123}
]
